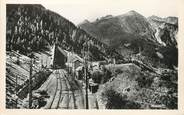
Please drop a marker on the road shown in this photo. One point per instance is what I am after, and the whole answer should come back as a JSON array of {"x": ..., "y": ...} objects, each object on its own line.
[{"x": 61, "y": 95}]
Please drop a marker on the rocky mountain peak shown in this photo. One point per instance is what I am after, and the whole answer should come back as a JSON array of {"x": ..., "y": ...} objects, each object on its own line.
[
  {"x": 130, "y": 13},
  {"x": 169, "y": 20},
  {"x": 172, "y": 20},
  {"x": 85, "y": 21}
]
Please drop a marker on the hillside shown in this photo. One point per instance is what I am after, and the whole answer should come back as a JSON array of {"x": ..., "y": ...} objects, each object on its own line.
[
  {"x": 34, "y": 29},
  {"x": 134, "y": 88},
  {"x": 134, "y": 36},
  {"x": 47, "y": 27},
  {"x": 143, "y": 76},
  {"x": 120, "y": 27}
]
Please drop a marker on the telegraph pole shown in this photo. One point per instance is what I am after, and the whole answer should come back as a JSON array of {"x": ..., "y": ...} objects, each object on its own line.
[
  {"x": 85, "y": 74},
  {"x": 16, "y": 88},
  {"x": 114, "y": 62},
  {"x": 16, "y": 91},
  {"x": 73, "y": 68},
  {"x": 30, "y": 82}
]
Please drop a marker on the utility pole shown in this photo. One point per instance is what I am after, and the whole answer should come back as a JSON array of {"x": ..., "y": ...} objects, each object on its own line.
[
  {"x": 16, "y": 91},
  {"x": 73, "y": 69},
  {"x": 114, "y": 62},
  {"x": 85, "y": 73},
  {"x": 41, "y": 62},
  {"x": 86, "y": 77},
  {"x": 30, "y": 82},
  {"x": 18, "y": 62}
]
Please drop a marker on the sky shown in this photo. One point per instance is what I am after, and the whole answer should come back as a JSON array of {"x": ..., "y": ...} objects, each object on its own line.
[{"x": 78, "y": 10}]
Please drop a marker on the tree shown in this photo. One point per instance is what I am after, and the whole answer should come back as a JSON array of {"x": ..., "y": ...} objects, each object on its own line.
[{"x": 117, "y": 101}]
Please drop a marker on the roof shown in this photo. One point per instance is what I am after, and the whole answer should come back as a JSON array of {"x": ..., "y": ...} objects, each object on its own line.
[
  {"x": 79, "y": 68},
  {"x": 72, "y": 57},
  {"x": 62, "y": 51}
]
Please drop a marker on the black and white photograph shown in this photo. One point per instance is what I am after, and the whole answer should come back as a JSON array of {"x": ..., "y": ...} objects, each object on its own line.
[{"x": 92, "y": 55}]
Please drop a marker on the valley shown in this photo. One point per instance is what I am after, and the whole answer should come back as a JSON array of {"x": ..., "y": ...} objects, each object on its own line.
[{"x": 116, "y": 62}]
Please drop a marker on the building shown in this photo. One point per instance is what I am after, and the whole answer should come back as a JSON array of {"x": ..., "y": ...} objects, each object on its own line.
[
  {"x": 73, "y": 60},
  {"x": 59, "y": 58},
  {"x": 97, "y": 65}
]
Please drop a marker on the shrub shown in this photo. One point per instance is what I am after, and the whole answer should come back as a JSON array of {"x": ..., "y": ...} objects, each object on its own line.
[
  {"x": 144, "y": 81},
  {"x": 118, "y": 71},
  {"x": 116, "y": 101},
  {"x": 107, "y": 75},
  {"x": 170, "y": 101},
  {"x": 101, "y": 76}
]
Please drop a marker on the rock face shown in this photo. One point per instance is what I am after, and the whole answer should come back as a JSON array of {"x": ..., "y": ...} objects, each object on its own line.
[
  {"x": 166, "y": 30},
  {"x": 149, "y": 45},
  {"x": 135, "y": 36},
  {"x": 34, "y": 28},
  {"x": 134, "y": 88}
]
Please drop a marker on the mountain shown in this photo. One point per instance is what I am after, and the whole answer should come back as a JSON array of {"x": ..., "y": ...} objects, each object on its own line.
[
  {"x": 139, "y": 79},
  {"x": 166, "y": 29},
  {"x": 170, "y": 19},
  {"x": 134, "y": 36},
  {"x": 110, "y": 28},
  {"x": 32, "y": 28}
]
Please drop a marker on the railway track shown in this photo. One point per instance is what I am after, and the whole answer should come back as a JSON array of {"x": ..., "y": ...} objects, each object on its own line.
[
  {"x": 63, "y": 96},
  {"x": 78, "y": 96},
  {"x": 60, "y": 97},
  {"x": 54, "y": 101},
  {"x": 66, "y": 93},
  {"x": 72, "y": 92}
]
